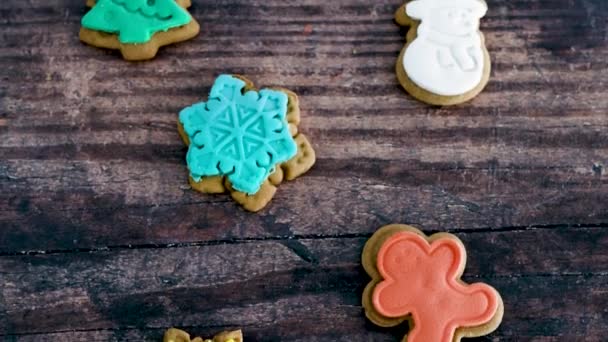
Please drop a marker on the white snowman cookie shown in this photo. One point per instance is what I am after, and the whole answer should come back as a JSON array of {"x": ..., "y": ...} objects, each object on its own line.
[{"x": 445, "y": 61}]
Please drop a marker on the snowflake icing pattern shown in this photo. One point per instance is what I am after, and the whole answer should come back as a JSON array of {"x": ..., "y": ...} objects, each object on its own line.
[{"x": 239, "y": 135}]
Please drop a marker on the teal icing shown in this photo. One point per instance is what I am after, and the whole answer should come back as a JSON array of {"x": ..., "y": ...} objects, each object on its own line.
[
  {"x": 135, "y": 21},
  {"x": 239, "y": 135}
]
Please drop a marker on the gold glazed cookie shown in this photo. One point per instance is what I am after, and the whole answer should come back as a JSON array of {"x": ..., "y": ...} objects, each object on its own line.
[
  {"x": 244, "y": 141},
  {"x": 416, "y": 278},
  {"x": 445, "y": 61},
  {"x": 138, "y": 28},
  {"x": 176, "y": 335}
]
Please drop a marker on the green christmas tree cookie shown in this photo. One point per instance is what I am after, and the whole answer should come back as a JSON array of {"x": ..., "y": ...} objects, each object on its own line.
[{"x": 137, "y": 27}]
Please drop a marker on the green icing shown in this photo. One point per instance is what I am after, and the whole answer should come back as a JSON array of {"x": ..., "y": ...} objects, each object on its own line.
[
  {"x": 135, "y": 21},
  {"x": 241, "y": 135}
]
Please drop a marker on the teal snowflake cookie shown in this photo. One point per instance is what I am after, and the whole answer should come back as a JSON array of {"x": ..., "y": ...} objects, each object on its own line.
[
  {"x": 244, "y": 141},
  {"x": 238, "y": 135},
  {"x": 137, "y": 27}
]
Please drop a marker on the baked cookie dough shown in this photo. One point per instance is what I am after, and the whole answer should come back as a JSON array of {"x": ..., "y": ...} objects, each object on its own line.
[
  {"x": 416, "y": 278},
  {"x": 176, "y": 335},
  {"x": 138, "y": 28},
  {"x": 244, "y": 141},
  {"x": 445, "y": 61}
]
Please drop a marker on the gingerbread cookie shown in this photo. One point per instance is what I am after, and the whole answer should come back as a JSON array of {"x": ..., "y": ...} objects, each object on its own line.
[
  {"x": 244, "y": 141},
  {"x": 176, "y": 335},
  {"x": 138, "y": 28},
  {"x": 445, "y": 61},
  {"x": 416, "y": 278}
]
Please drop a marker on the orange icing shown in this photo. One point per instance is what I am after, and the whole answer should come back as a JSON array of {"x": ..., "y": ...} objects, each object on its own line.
[{"x": 421, "y": 279}]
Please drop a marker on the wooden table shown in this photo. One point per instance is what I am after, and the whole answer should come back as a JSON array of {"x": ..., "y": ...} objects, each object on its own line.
[{"x": 101, "y": 238}]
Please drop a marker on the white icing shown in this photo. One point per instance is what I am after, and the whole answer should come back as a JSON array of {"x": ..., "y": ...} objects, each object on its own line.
[{"x": 447, "y": 57}]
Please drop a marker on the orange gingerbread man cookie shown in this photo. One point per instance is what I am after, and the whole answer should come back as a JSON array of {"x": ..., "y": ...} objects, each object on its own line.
[{"x": 416, "y": 278}]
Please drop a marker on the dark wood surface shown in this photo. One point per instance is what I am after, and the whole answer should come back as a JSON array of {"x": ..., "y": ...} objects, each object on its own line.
[{"x": 101, "y": 238}]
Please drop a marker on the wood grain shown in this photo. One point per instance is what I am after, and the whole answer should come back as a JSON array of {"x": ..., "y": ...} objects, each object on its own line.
[{"x": 101, "y": 238}]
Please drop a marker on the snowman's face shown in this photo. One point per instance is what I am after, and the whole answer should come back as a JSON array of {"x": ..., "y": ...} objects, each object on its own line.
[{"x": 454, "y": 21}]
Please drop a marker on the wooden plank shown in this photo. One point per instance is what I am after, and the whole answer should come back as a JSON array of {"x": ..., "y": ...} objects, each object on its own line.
[
  {"x": 290, "y": 289},
  {"x": 85, "y": 205}
]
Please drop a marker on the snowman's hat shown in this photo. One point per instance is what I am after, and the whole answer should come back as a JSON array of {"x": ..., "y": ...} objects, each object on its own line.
[{"x": 418, "y": 9}]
